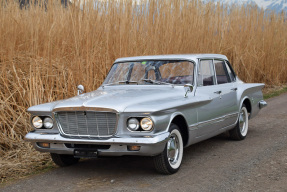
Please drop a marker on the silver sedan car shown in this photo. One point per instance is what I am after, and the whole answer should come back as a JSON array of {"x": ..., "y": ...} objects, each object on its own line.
[{"x": 148, "y": 106}]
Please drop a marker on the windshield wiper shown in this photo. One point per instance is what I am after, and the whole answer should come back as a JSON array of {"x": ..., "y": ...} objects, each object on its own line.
[
  {"x": 121, "y": 82},
  {"x": 128, "y": 82},
  {"x": 156, "y": 82}
]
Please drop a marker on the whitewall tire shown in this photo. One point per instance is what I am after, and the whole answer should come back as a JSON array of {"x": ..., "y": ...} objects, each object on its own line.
[
  {"x": 239, "y": 132},
  {"x": 169, "y": 161}
]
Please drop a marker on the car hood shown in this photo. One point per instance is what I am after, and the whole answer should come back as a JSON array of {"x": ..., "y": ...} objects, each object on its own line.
[{"x": 128, "y": 98}]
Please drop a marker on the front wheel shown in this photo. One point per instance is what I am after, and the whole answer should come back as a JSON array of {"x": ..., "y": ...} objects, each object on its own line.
[
  {"x": 169, "y": 161},
  {"x": 239, "y": 132}
]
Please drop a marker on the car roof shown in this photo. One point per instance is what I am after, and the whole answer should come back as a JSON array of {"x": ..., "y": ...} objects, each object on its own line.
[{"x": 173, "y": 57}]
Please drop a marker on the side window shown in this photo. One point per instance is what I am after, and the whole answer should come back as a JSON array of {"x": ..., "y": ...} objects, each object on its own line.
[
  {"x": 205, "y": 73},
  {"x": 222, "y": 74},
  {"x": 230, "y": 72}
]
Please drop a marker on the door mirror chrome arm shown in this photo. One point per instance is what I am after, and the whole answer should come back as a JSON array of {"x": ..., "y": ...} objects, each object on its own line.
[{"x": 187, "y": 88}]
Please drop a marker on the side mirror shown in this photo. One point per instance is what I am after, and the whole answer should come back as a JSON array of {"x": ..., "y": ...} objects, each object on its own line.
[
  {"x": 187, "y": 88},
  {"x": 80, "y": 89}
]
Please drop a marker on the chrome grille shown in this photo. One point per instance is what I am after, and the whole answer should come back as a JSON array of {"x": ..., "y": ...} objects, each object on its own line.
[{"x": 87, "y": 123}]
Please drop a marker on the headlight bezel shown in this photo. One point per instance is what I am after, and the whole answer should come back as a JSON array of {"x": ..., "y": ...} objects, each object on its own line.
[
  {"x": 136, "y": 121},
  {"x": 140, "y": 127},
  {"x": 46, "y": 118},
  {"x": 149, "y": 123},
  {"x": 41, "y": 121},
  {"x": 37, "y": 119}
]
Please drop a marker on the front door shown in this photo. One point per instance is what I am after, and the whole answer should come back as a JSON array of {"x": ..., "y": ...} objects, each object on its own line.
[{"x": 209, "y": 114}]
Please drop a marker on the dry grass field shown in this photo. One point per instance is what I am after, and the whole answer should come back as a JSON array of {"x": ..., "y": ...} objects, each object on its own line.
[{"x": 46, "y": 52}]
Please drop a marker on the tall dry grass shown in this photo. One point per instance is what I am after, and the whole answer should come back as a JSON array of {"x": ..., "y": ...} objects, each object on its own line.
[{"x": 46, "y": 52}]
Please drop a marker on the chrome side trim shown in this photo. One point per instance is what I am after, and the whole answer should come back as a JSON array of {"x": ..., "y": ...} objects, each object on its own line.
[
  {"x": 216, "y": 120},
  {"x": 262, "y": 104}
]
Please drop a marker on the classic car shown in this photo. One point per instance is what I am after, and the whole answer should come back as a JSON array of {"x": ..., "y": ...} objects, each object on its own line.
[{"x": 148, "y": 106}]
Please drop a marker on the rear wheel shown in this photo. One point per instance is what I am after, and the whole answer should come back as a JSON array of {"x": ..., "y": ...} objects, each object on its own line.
[
  {"x": 169, "y": 161},
  {"x": 64, "y": 160},
  {"x": 239, "y": 132}
]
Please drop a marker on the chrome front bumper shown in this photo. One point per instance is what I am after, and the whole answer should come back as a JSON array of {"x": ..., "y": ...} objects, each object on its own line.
[{"x": 149, "y": 145}]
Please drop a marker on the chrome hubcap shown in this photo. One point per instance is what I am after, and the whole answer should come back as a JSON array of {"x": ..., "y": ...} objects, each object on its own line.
[{"x": 173, "y": 149}]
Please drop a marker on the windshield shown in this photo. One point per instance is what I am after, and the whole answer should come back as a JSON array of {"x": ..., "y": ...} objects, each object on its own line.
[{"x": 151, "y": 72}]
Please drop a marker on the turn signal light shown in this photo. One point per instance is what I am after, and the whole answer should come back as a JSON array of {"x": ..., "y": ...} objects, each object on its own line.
[
  {"x": 133, "y": 148},
  {"x": 44, "y": 145}
]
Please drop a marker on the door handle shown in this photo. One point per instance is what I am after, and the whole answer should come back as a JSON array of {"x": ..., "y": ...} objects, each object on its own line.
[
  {"x": 234, "y": 89},
  {"x": 218, "y": 92}
]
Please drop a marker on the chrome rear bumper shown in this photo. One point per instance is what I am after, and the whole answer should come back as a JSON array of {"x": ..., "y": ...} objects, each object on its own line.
[{"x": 262, "y": 104}]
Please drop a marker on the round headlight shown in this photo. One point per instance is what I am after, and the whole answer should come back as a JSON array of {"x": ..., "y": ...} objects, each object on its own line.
[
  {"x": 146, "y": 124},
  {"x": 133, "y": 124},
  {"x": 37, "y": 122},
  {"x": 48, "y": 122}
]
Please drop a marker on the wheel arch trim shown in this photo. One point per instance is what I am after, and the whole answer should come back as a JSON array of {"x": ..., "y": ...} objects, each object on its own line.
[
  {"x": 180, "y": 120},
  {"x": 246, "y": 100}
]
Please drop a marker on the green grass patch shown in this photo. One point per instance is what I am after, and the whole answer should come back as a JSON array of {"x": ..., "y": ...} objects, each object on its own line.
[{"x": 275, "y": 93}]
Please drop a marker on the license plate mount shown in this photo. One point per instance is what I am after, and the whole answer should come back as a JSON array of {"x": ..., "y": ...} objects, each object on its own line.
[{"x": 84, "y": 153}]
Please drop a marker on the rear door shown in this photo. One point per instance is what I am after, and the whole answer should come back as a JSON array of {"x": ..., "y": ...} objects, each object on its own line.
[
  {"x": 217, "y": 81},
  {"x": 225, "y": 81}
]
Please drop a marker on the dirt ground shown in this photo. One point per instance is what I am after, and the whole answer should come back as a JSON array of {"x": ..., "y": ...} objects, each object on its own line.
[{"x": 258, "y": 163}]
